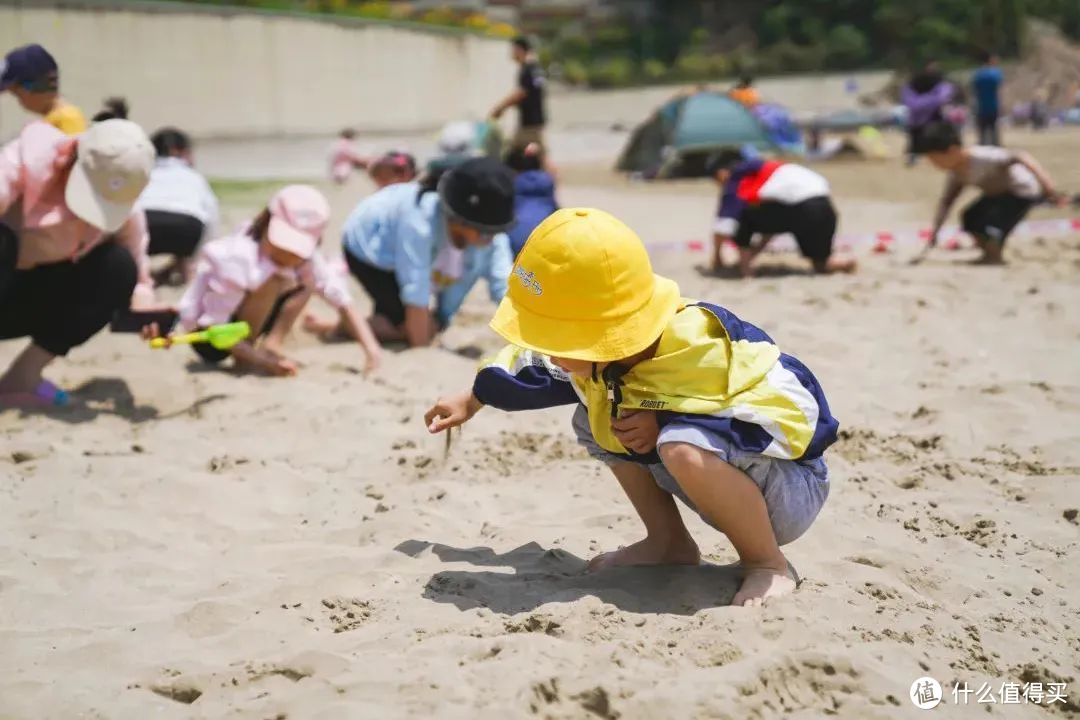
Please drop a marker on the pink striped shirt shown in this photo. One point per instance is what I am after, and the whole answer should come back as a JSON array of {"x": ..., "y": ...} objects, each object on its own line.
[
  {"x": 33, "y": 174},
  {"x": 232, "y": 266}
]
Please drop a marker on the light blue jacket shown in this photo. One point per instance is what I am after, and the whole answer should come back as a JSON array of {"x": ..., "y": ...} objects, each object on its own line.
[
  {"x": 399, "y": 230},
  {"x": 492, "y": 263}
]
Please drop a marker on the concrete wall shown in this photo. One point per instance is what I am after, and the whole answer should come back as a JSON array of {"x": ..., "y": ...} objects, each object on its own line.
[{"x": 221, "y": 73}]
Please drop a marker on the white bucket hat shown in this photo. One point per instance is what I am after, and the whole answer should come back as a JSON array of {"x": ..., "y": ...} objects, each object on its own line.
[{"x": 113, "y": 166}]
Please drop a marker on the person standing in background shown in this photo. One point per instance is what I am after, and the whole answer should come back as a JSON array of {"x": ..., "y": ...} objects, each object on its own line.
[
  {"x": 528, "y": 97},
  {"x": 925, "y": 97},
  {"x": 986, "y": 84},
  {"x": 31, "y": 74}
]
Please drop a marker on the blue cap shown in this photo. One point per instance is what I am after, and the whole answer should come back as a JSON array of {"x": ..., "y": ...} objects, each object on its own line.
[{"x": 30, "y": 66}]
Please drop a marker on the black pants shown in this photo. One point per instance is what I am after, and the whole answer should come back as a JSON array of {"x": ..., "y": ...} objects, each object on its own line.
[
  {"x": 214, "y": 356},
  {"x": 381, "y": 286},
  {"x": 62, "y": 305},
  {"x": 812, "y": 222},
  {"x": 995, "y": 216},
  {"x": 987, "y": 126},
  {"x": 173, "y": 233}
]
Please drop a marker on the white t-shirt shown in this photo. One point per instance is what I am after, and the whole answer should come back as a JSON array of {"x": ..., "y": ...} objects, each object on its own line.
[
  {"x": 177, "y": 187},
  {"x": 792, "y": 184}
]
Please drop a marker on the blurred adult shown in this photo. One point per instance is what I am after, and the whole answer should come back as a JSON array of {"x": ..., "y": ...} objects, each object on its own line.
[
  {"x": 411, "y": 241},
  {"x": 527, "y": 97},
  {"x": 925, "y": 97},
  {"x": 986, "y": 85},
  {"x": 72, "y": 248}
]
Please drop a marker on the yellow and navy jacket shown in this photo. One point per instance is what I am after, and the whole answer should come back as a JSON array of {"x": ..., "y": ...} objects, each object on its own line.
[{"x": 710, "y": 369}]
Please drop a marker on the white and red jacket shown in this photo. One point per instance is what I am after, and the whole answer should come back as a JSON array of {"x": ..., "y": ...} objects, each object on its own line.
[{"x": 765, "y": 181}]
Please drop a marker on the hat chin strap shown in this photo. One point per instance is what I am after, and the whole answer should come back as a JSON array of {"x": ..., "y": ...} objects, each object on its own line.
[{"x": 613, "y": 374}]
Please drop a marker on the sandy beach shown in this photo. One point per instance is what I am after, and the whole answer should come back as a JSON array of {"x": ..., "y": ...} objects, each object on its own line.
[{"x": 187, "y": 543}]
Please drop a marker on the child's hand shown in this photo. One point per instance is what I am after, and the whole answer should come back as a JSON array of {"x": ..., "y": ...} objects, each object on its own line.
[
  {"x": 374, "y": 360},
  {"x": 451, "y": 412},
  {"x": 637, "y": 430}
]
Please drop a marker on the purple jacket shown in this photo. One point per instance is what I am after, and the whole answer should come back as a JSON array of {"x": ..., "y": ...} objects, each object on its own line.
[{"x": 926, "y": 107}]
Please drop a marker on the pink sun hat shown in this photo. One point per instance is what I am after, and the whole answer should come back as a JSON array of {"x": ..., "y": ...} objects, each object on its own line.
[{"x": 299, "y": 215}]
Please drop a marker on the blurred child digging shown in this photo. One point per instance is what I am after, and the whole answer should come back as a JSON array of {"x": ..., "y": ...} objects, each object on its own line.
[
  {"x": 679, "y": 398},
  {"x": 345, "y": 157},
  {"x": 767, "y": 197},
  {"x": 31, "y": 74},
  {"x": 1011, "y": 182},
  {"x": 265, "y": 275},
  {"x": 181, "y": 208},
  {"x": 534, "y": 193},
  {"x": 392, "y": 168}
]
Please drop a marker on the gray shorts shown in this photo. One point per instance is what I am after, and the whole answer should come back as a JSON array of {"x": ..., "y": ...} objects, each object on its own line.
[{"x": 794, "y": 490}]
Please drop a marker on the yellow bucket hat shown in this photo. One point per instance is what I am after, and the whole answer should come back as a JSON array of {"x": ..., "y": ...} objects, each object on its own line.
[{"x": 583, "y": 288}]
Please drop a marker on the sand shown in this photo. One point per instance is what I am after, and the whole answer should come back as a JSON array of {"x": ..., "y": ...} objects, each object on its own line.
[{"x": 191, "y": 544}]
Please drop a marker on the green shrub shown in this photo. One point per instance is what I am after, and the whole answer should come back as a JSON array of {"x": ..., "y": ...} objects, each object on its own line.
[
  {"x": 786, "y": 56},
  {"x": 611, "y": 73},
  {"x": 846, "y": 47},
  {"x": 699, "y": 66},
  {"x": 574, "y": 72},
  {"x": 654, "y": 70}
]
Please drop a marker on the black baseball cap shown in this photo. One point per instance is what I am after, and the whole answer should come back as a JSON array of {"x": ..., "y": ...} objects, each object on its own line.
[
  {"x": 31, "y": 67},
  {"x": 479, "y": 192}
]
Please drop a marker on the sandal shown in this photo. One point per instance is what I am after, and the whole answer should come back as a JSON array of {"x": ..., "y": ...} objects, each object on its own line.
[{"x": 45, "y": 395}]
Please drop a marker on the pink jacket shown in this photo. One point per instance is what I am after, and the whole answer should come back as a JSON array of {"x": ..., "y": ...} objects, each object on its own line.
[
  {"x": 32, "y": 181},
  {"x": 343, "y": 158},
  {"x": 232, "y": 266}
]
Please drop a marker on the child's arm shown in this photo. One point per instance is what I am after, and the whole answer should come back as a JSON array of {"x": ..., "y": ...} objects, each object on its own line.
[
  {"x": 952, "y": 191},
  {"x": 11, "y": 175},
  {"x": 498, "y": 270},
  {"x": 412, "y": 268},
  {"x": 519, "y": 379},
  {"x": 515, "y": 379},
  {"x": 359, "y": 330},
  {"x": 508, "y": 102},
  {"x": 1040, "y": 174}
]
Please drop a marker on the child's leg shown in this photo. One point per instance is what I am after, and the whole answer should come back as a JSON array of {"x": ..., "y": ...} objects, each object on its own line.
[
  {"x": 733, "y": 503},
  {"x": 288, "y": 311},
  {"x": 759, "y": 502},
  {"x": 667, "y": 541},
  {"x": 990, "y": 221},
  {"x": 256, "y": 307},
  {"x": 813, "y": 222}
]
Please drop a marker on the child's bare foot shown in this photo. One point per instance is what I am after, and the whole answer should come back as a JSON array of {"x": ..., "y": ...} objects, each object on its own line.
[
  {"x": 762, "y": 584},
  {"x": 835, "y": 265},
  {"x": 988, "y": 260},
  {"x": 649, "y": 552}
]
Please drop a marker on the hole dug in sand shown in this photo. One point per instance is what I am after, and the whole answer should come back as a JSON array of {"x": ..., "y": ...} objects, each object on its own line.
[{"x": 180, "y": 692}]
